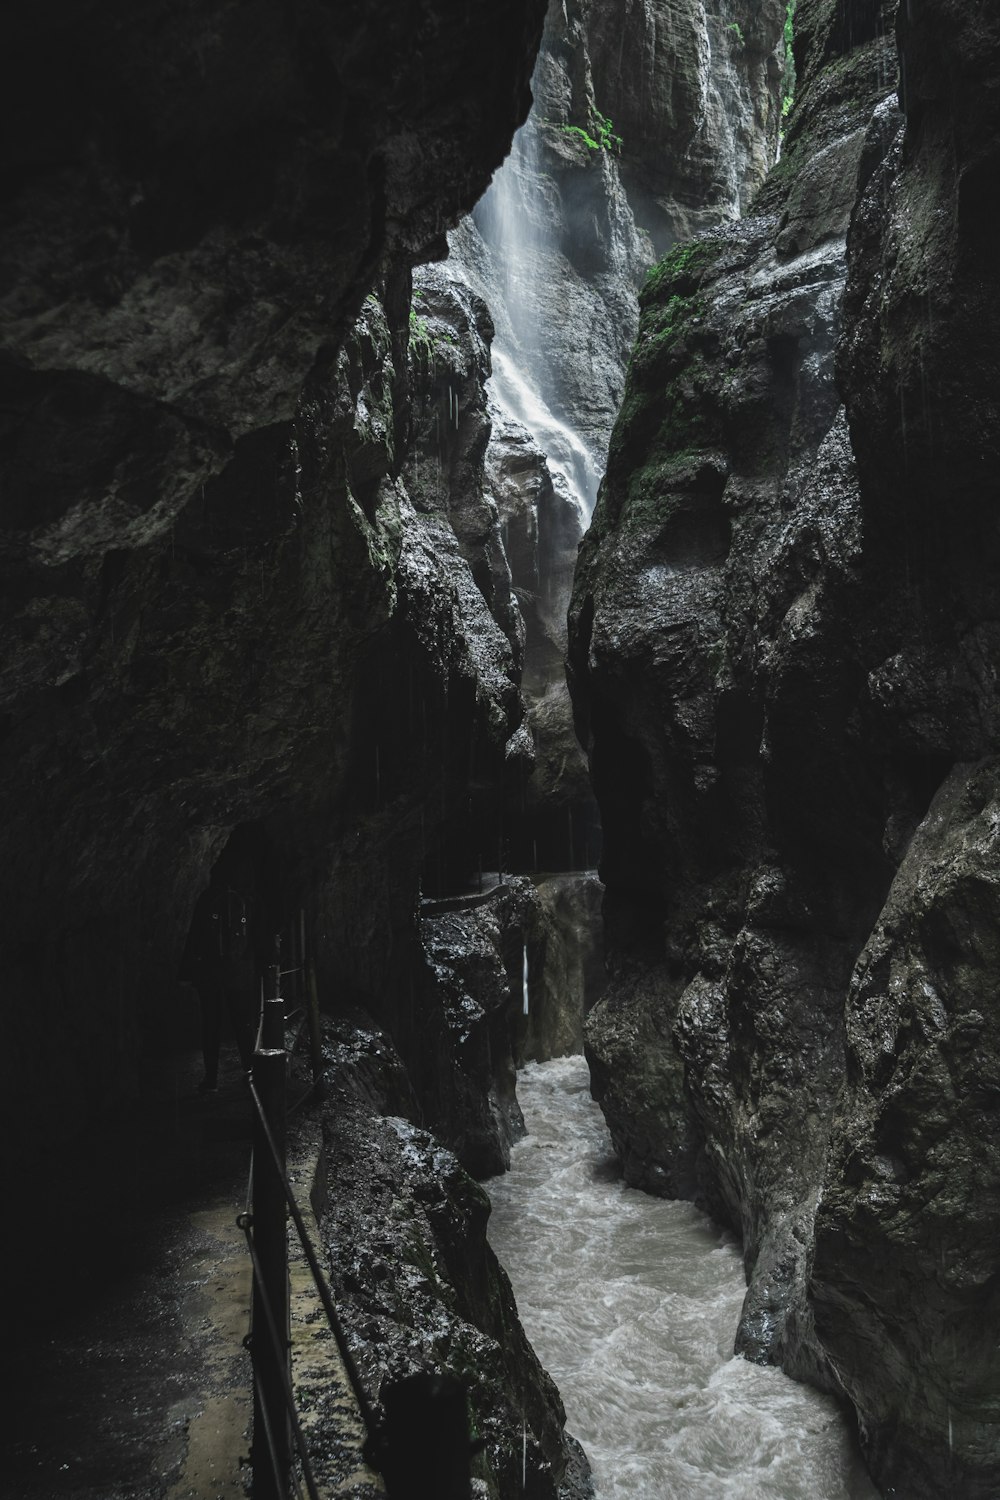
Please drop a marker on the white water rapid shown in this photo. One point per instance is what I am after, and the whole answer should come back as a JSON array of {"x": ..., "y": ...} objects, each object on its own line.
[{"x": 632, "y": 1303}]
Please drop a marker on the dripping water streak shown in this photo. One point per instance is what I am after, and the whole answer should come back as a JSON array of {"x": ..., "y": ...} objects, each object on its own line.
[{"x": 632, "y": 1303}]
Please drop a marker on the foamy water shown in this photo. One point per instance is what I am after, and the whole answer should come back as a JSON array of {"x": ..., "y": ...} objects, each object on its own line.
[{"x": 632, "y": 1304}]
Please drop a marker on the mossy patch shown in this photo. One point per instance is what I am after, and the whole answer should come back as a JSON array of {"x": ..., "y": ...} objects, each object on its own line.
[
  {"x": 661, "y": 330},
  {"x": 670, "y": 413},
  {"x": 657, "y": 491},
  {"x": 836, "y": 99},
  {"x": 681, "y": 271}
]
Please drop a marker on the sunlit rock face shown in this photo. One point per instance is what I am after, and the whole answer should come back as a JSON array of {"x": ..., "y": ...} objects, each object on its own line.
[
  {"x": 694, "y": 90},
  {"x": 774, "y": 644}
]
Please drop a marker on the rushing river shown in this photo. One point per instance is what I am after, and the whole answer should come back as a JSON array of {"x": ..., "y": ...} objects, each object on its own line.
[{"x": 632, "y": 1304}]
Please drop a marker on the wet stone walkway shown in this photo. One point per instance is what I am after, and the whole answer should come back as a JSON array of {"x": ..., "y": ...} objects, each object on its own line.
[{"x": 130, "y": 1381}]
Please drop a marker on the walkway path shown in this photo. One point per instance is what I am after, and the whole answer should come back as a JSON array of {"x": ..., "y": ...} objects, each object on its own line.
[{"x": 131, "y": 1382}]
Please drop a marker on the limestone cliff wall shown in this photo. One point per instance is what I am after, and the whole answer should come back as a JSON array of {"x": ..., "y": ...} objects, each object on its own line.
[
  {"x": 778, "y": 642},
  {"x": 695, "y": 93},
  {"x": 646, "y": 119}
]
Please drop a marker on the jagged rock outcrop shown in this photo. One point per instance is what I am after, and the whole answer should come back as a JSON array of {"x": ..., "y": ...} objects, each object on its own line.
[
  {"x": 417, "y": 1284},
  {"x": 778, "y": 649},
  {"x": 556, "y": 251},
  {"x": 474, "y": 949},
  {"x": 551, "y": 820},
  {"x": 905, "y": 1257},
  {"x": 513, "y": 969}
]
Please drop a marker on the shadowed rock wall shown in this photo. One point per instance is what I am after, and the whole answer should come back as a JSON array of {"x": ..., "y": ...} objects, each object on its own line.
[
  {"x": 221, "y": 607},
  {"x": 236, "y": 598},
  {"x": 781, "y": 620},
  {"x": 905, "y": 1257}
]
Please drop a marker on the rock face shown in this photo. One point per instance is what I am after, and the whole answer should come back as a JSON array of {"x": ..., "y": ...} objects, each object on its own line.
[
  {"x": 474, "y": 949},
  {"x": 417, "y": 1283},
  {"x": 694, "y": 91},
  {"x": 778, "y": 649},
  {"x": 905, "y": 1257},
  {"x": 256, "y": 595},
  {"x": 513, "y": 971},
  {"x": 911, "y": 1183},
  {"x": 217, "y": 594},
  {"x": 556, "y": 248},
  {"x": 565, "y": 965}
]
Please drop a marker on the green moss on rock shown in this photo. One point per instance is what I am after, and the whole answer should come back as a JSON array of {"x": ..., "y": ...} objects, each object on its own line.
[{"x": 680, "y": 272}]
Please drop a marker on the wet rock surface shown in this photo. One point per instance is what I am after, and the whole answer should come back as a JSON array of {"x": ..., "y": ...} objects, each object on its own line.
[
  {"x": 773, "y": 638},
  {"x": 551, "y": 820},
  {"x": 417, "y": 1283},
  {"x": 512, "y": 971},
  {"x": 904, "y": 1258},
  {"x": 694, "y": 91},
  {"x": 254, "y": 580},
  {"x": 556, "y": 249},
  {"x": 909, "y": 1184},
  {"x": 474, "y": 954},
  {"x": 217, "y": 596}
]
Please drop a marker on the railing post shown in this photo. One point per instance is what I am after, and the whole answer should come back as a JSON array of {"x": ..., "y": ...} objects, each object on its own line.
[
  {"x": 270, "y": 1293},
  {"x": 315, "y": 1031},
  {"x": 272, "y": 1031},
  {"x": 272, "y": 982}
]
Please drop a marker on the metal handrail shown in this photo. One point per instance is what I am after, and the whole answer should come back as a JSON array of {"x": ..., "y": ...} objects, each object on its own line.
[
  {"x": 389, "y": 1443},
  {"x": 361, "y": 1396},
  {"x": 245, "y": 1222}
]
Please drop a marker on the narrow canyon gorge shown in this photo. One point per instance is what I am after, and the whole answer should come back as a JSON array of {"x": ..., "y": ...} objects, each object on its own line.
[{"x": 508, "y": 495}]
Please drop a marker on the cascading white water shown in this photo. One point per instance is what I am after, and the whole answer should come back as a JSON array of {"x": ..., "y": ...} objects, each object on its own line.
[
  {"x": 631, "y": 1303},
  {"x": 571, "y": 464},
  {"x": 519, "y": 232}
]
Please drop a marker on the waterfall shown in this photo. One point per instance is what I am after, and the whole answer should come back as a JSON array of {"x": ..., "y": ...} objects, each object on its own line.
[
  {"x": 524, "y": 979},
  {"x": 573, "y": 468},
  {"x": 522, "y": 234},
  {"x": 631, "y": 1302}
]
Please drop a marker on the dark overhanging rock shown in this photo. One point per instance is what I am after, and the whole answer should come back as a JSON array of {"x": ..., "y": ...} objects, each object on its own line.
[{"x": 201, "y": 532}]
